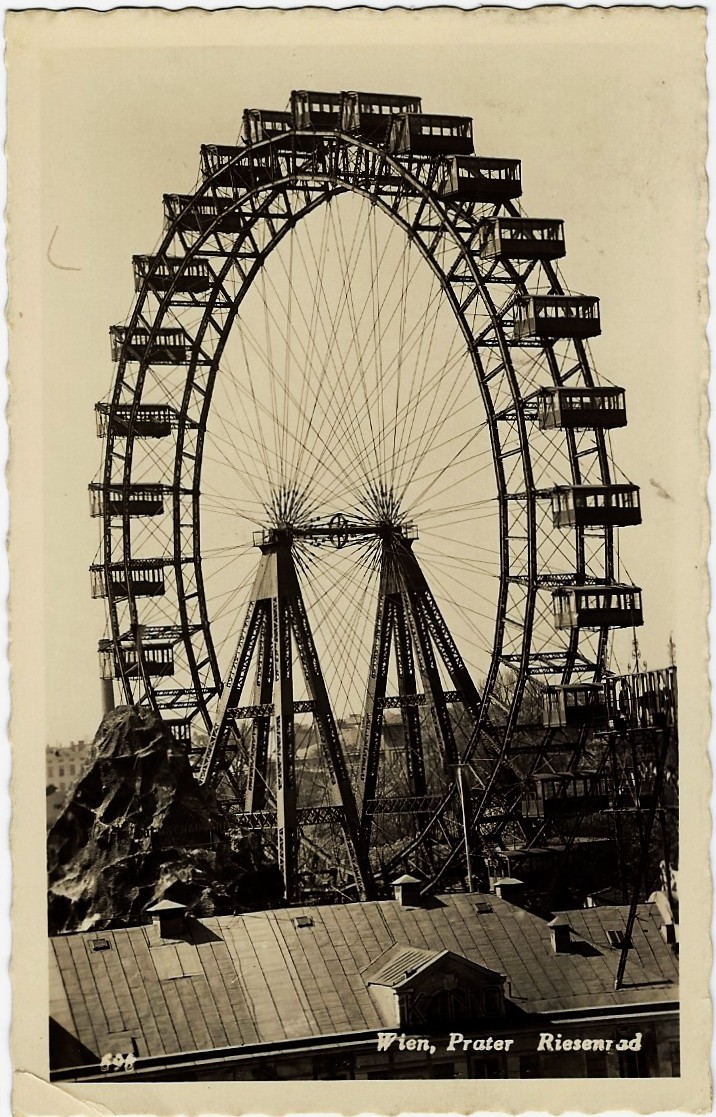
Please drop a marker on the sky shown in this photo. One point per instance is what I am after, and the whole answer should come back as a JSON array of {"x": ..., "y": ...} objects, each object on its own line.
[{"x": 606, "y": 116}]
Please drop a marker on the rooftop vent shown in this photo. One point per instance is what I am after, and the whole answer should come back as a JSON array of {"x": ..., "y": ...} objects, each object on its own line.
[
  {"x": 101, "y": 944},
  {"x": 407, "y": 891},
  {"x": 560, "y": 934},
  {"x": 615, "y": 937},
  {"x": 303, "y": 921},
  {"x": 483, "y": 907},
  {"x": 169, "y": 918},
  {"x": 509, "y": 888}
]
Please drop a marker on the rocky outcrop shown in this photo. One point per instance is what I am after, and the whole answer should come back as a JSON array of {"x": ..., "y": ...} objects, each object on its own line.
[{"x": 137, "y": 828}]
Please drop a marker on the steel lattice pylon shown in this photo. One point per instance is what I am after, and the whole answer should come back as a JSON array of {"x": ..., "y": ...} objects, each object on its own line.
[{"x": 342, "y": 400}]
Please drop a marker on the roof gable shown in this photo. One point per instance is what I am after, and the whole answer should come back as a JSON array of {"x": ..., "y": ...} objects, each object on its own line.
[{"x": 402, "y": 967}]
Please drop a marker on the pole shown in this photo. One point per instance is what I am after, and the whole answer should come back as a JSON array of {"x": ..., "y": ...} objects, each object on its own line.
[
  {"x": 468, "y": 858},
  {"x": 645, "y": 839}
]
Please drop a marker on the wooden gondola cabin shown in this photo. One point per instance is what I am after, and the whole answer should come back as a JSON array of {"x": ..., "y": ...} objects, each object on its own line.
[
  {"x": 642, "y": 700},
  {"x": 166, "y": 346},
  {"x": 521, "y": 238},
  {"x": 566, "y": 408},
  {"x": 595, "y": 505},
  {"x": 477, "y": 178},
  {"x": 596, "y": 606},
  {"x": 557, "y": 316},
  {"x": 573, "y": 704},
  {"x": 180, "y": 730},
  {"x": 234, "y": 168},
  {"x": 430, "y": 134},
  {"x": 136, "y": 500},
  {"x": 314, "y": 110},
  {"x": 368, "y": 114},
  {"x": 146, "y": 579},
  {"x": 549, "y": 795},
  {"x": 201, "y": 215},
  {"x": 175, "y": 273},
  {"x": 157, "y": 659},
  {"x": 266, "y": 124},
  {"x": 150, "y": 420}
]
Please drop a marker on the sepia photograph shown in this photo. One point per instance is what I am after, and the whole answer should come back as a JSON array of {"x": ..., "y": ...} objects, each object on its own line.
[{"x": 358, "y": 409}]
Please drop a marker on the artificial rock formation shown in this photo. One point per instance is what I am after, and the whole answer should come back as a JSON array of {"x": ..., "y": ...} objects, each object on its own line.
[{"x": 138, "y": 828}]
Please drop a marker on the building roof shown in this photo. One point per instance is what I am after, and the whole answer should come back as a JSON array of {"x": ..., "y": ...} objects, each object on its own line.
[
  {"x": 397, "y": 963},
  {"x": 164, "y": 906},
  {"x": 258, "y": 978}
]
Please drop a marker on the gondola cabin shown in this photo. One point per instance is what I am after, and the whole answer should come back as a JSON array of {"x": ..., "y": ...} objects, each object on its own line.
[
  {"x": 477, "y": 178},
  {"x": 144, "y": 578},
  {"x": 557, "y": 316},
  {"x": 235, "y": 168},
  {"x": 573, "y": 704},
  {"x": 596, "y": 606},
  {"x": 313, "y": 110},
  {"x": 549, "y": 795},
  {"x": 166, "y": 346},
  {"x": 180, "y": 730},
  {"x": 595, "y": 505},
  {"x": 175, "y": 273},
  {"x": 202, "y": 214},
  {"x": 126, "y": 661},
  {"x": 368, "y": 114},
  {"x": 563, "y": 408},
  {"x": 134, "y": 500},
  {"x": 521, "y": 238},
  {"x": 643, "y": 700},
  {"x": 259, "y": 125},
  {"x": 534, "y": 864},
  {"x": 423, "y": 134},
  {"x": 151, "y": 420}
]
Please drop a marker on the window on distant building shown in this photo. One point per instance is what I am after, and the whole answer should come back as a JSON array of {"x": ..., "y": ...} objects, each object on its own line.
[
  {"x": 530, "y": 1066},
  {"x": 456, "y": 1006},
  {"x": 596, "y": 1064},
  {"x": 637, "y": 1064},
  {"x": 675, "y": 1055},
  {"x": 333, "y": 1067},
  {"x": 485, "y": 1068}
]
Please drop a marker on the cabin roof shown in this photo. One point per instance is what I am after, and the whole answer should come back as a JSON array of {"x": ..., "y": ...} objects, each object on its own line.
[{"x": 258, "y": 978}]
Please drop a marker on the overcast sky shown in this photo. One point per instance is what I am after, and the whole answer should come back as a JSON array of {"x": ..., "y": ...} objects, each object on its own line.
[{"x": 605, "y": 110}]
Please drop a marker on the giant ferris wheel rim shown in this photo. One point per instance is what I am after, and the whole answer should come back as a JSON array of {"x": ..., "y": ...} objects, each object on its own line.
[{"x": 461, "y": 225}]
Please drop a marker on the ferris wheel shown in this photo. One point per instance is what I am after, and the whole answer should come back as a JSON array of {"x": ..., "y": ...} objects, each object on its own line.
[{"x": 357, "y": 498}]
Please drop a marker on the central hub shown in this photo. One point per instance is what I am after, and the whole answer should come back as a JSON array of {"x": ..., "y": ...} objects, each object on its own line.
[{"x": 337, "y": 531}]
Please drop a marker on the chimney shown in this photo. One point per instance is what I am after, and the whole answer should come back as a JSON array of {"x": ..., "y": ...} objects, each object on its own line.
[
  {"x": 406, "y": 890},
  {"x": 168, "y": 918},
  {"x": 509, "y": 888},
  {"x": 560, "y": 934},
  {"x": 107, "y": 692}
]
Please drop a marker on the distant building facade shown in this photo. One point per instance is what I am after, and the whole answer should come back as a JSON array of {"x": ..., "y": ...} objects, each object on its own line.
[
  {"x": 63, "y": 765},
  {"x": 455, "y": 986}
]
